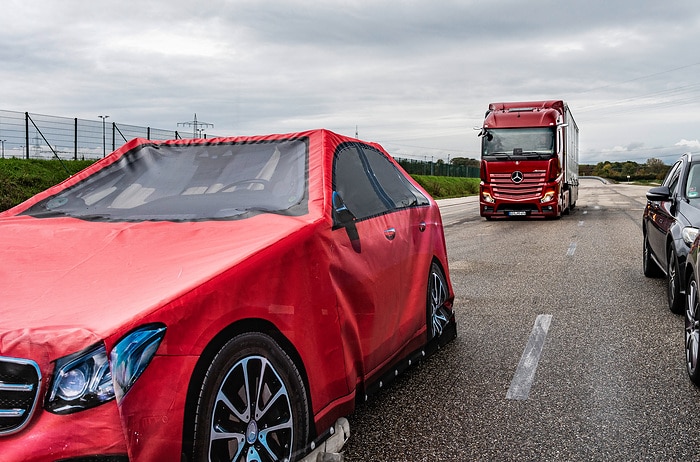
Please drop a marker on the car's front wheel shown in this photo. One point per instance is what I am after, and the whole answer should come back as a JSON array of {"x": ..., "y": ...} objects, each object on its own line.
[
  {"x": 252, "y": 404},
  {"x": 673, "y": 285},
  {"x": 692, "y": 332}
]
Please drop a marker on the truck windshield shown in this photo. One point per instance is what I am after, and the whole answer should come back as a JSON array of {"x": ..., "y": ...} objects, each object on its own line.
[{"x": 520, "y": 142}]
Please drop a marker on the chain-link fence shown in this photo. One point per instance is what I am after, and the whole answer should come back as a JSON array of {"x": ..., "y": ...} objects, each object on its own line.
[
  {"x": 25, "y": 135},
  {"x": 418, "y": 167}
]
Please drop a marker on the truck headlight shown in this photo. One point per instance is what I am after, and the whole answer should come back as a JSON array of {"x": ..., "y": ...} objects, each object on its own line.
[
  {"x": 689, "y": 234},
  {"x": 81, "y": 381},
  {"x": 487, "y": 197},
  {"x": 548, "y": 196}
]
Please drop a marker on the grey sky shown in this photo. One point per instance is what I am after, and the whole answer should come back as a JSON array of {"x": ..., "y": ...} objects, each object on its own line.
[{"x": 415, "y": 76}]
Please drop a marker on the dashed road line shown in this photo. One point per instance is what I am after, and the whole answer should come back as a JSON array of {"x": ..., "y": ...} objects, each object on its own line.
[{"x": 525, "y": 373}]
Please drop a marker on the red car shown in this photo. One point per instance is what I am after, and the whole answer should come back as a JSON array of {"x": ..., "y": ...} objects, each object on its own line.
[{"x": 222, "y": 299}]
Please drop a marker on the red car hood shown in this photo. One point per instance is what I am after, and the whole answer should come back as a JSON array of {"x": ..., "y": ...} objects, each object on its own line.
[{"x": 67, "y": 283}]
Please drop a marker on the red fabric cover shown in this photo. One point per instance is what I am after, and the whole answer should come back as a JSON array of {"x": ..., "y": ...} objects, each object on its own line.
[{"x": 68, "y": 283}]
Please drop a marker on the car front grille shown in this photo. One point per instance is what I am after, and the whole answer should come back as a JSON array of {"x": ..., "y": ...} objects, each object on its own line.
[
  {"x": 503, "y": 186},
  {"x": 19, "y": 388}
]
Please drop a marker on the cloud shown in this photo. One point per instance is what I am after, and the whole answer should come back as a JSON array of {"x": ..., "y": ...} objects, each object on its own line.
[
  {"x": 691, "y": 144},
  {"x": 413, "y": 75}
]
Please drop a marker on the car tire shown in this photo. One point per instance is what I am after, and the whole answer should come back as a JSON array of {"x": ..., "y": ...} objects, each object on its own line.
[
  {"x": 692, "y": 332},
  {"x": 438, "y": 316},
  {"x": 673, "y": 284},
  {"x": 252, "y": 404},
  {"x": 651, "y": 269}
]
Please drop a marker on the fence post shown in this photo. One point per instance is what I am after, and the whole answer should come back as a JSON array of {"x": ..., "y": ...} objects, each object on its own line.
[
  {"x": 75, "y": 140},
  {"x": 26, "y": 133}
]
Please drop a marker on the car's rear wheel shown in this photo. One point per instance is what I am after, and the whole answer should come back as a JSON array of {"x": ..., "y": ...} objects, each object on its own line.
[
  {"x": 438, "y": 315},
  {"x": 252, "y": 404},
  {"x": 673, "y": 286},
  {"x": 651, "y": 269},
  {"x": 692, "y": 332}
]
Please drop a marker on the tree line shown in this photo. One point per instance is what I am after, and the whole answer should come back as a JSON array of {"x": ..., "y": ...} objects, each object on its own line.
[{"x": 652, "y": 170}]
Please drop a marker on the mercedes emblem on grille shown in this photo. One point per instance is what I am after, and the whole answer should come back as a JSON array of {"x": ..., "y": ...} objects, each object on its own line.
[{"x": 516, "y": 176}]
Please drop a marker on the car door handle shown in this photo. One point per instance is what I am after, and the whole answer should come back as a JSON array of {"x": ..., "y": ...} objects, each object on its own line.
[{"x": 390, "y": 233}]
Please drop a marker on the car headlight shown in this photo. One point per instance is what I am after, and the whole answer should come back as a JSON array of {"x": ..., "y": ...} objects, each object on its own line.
[
  {"x": 689, "y": 234},
  {"x": 87, "y": 379},
  {"x": 81, "y": 381},
  {"x": 132, "y": 354}
]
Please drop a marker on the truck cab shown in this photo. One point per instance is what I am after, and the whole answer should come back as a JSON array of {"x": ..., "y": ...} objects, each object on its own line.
[{"x": 529, "y": 160}]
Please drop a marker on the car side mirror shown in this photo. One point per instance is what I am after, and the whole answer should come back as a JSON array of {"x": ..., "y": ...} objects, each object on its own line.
[
  {"x": 342, "y": 216},
  {"x": 659, "y": 194}
]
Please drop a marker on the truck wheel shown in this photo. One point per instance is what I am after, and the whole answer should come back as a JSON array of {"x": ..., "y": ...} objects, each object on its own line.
[{"x": 252, "y": 404}]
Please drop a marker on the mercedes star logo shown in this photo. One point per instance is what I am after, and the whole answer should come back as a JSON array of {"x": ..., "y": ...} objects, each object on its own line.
[{"x": 516, "y": 176}]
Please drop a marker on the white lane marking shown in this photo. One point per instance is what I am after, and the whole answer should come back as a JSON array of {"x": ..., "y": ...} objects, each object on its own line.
[
  {"x": 525, "y": 373},
  {"x": 572, "y": 249}
]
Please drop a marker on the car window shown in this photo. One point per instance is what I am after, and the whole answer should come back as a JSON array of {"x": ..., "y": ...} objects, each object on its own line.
[
  {"x": 401, "y": 192},
  {"x": 187, "y": 182},
  {"x": 692, "y": 188},
  {"x": 351, "y": 179},
  {"x": 671, "y": 179},
  {"x": 370, "y": 184}
]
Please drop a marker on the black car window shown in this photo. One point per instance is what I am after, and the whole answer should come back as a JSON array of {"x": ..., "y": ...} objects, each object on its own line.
[
  {"x": 370, "y": 184},
  {"x": 671, "y": 179},
  {"x": 692, "y": 188},
  {"x": 190, "y": 182},
  {"x": 401, "y": 192},
  {"x": 351, "y": 179}
]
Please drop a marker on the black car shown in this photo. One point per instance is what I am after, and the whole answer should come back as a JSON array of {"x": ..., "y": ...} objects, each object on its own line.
[{"x": 670, "y": 224}]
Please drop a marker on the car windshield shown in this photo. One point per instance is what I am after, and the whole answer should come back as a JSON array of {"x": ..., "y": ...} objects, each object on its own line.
[
  {"x": 692, "y": 186},
  {"x": 528, "y": 142},
  {"x": 190, "y": 182}
]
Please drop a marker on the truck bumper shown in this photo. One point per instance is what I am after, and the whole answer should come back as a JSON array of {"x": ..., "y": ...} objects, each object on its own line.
[{"x": 489, "y": 210}]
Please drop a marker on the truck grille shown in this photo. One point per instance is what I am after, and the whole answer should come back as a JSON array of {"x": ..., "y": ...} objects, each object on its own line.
[
  {"x": 530, "y": 188},
  {"x": 19, "y": 387}
]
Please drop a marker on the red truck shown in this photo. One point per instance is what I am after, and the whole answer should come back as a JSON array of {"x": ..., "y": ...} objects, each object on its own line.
[{"x": 529, "y": 160}]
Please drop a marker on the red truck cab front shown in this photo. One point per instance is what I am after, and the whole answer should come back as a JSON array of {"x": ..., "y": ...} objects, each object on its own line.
[{"x": 529, "y": 160}]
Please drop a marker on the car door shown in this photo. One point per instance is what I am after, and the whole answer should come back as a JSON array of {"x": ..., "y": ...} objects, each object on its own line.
[
  {"x": 374, "y": 253},
  {"x": 662, "y": 215}
]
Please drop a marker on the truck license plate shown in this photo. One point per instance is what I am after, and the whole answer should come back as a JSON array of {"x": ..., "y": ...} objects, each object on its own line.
[{"x": 517, "y": 213}]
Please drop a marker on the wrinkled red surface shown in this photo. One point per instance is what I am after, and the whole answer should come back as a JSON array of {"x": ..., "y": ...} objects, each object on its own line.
[{"x": 68, "y": 283}]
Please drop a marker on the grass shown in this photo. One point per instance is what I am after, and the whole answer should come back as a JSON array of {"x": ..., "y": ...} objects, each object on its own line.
[{"x": 20, "y": 179}]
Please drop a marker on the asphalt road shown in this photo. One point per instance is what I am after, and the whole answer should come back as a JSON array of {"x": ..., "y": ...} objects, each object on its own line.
[{"x": 609, "y": 378}]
